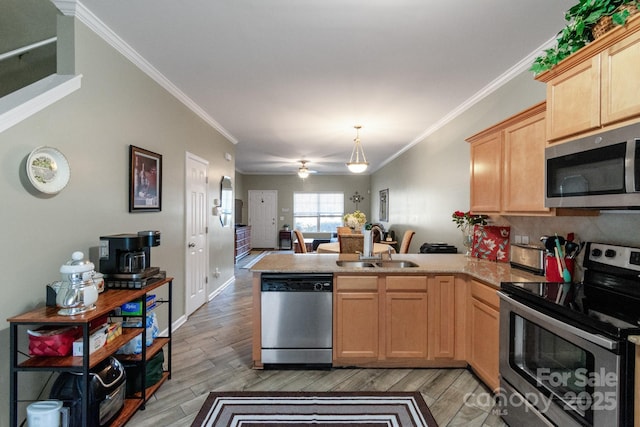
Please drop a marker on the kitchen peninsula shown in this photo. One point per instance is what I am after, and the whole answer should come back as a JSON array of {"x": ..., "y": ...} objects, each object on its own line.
[{"x": 442, "y": 312}]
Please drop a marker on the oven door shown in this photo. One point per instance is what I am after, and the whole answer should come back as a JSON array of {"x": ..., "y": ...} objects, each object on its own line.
[{"x": 570, "y": 376}]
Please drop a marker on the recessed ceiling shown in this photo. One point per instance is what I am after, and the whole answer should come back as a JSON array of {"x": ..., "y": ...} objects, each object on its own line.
[{"x": 288, "y": 79}]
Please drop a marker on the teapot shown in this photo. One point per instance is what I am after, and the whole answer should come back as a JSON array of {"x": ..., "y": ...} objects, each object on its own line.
[{"x": 77, "y": 292}]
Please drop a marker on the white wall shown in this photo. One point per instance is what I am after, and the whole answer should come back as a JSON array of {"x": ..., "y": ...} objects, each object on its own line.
[{"x": 117, "y": 106}]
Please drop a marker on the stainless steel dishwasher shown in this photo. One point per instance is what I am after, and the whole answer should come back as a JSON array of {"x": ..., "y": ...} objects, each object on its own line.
[{"x": 297, "y": 318}]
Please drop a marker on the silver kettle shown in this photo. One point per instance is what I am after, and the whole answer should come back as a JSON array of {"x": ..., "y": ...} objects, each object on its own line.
[{"x": 77, "y": 292}]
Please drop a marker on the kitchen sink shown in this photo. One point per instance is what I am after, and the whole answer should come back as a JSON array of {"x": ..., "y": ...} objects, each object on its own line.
[
  {"x": 382, "y": 264},
  {"x": 396, "y": 264},
  {"x": 355, "y": 264}
]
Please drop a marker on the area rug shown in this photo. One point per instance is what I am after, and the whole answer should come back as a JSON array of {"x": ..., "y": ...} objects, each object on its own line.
[{"x": 292, "y": 409}]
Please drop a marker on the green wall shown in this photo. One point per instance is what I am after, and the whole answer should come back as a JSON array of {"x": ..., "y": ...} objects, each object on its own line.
[{"x": 117, "y": 106}]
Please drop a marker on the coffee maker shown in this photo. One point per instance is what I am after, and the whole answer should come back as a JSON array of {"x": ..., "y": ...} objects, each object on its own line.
[{"x": 125, "y": 259}]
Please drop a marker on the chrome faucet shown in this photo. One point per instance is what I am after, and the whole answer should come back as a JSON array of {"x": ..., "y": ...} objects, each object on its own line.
[{"x": 368, "y": 250}]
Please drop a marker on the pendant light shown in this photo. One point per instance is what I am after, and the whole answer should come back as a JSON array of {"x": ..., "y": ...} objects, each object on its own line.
[
  {"x": 303, "y": 172},
  {"x": 357, "y": 165}
]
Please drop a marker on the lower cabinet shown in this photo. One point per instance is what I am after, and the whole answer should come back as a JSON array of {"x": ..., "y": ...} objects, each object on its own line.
[
  {"x": 483, "y": 332},
  {"x": 398, "y": 320},
  {"x": 405, "y": 317},
  {"x": 443, "y": 317},
  {"x": 356, "y": 318}
]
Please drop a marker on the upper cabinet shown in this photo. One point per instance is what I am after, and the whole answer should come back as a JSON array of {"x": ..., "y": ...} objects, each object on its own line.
[
  {"x": 595, "y": 87},
  {"x": 507, "y": 166}
]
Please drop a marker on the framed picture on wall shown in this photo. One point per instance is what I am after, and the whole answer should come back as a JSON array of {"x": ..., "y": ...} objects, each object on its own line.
[
  {"x": 145, "y": 180},
  {"x": 384, "y": 205}
]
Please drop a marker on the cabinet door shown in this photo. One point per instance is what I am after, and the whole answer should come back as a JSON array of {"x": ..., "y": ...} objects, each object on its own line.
[
  {"x": 523, "y": 183},
  {"x": 620, "y": 82},
  {"x": 442, "y": 317},
  {"x": 356, "y": 318},
  {"x": 406, "y": 325},
  {"x": 486, "y": 174},
  {"x": 573, "y": 100},
  {"x": 484, "y": 333}
]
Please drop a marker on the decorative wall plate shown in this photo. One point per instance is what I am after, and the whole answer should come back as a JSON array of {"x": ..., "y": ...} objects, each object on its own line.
[{"x": 48, "y": 170}]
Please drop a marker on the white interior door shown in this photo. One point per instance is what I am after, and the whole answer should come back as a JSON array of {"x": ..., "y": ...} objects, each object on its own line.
[
  {"x": 197, "y": 245},
  {"x": 262, "y": 218}
]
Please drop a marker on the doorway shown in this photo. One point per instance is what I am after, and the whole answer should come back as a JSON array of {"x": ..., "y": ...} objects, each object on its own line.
[
  {"x": 262, "y": 218},
  {"x": 196, "y": 227}
]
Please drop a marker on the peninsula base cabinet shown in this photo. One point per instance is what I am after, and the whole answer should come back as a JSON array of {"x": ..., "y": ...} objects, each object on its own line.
[
  {"x": 483, "y": 332},
  {"x": 106, "y": 305},
  {"x": 397, "y": 321},
  {"x": 356, "y": 319},
  {"x": 405, "y": 317}
]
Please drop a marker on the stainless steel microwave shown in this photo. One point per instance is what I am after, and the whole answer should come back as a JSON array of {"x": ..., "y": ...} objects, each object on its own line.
[{"x": 598, "y": 171}]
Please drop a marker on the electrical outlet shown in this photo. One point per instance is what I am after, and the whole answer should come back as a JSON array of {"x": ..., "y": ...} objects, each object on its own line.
[
  {"x": 517, "y": 239},
  {"x": 525, "y": 240},
  {"x": 217, "y": 272}
]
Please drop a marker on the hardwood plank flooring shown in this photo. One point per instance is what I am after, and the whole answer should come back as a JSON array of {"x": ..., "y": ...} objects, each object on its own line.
[{"x": 212, "y": 352}]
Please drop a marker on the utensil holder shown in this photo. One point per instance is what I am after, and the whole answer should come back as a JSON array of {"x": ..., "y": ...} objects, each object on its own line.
[{"x": 552, "y": 273}]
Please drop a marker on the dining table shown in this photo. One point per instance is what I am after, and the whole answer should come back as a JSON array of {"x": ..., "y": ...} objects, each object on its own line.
[{"x": 334, "y": 248}]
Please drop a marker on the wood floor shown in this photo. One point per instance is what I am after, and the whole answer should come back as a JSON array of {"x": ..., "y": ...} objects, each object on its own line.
[{"x": 212, "y": 351}]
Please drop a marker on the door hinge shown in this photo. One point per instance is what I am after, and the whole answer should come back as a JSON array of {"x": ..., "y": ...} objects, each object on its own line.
[
  {"x": 206, "y": 279},
  {"x": 206, "y": 179},
  {"x": 206, "y": 229}
]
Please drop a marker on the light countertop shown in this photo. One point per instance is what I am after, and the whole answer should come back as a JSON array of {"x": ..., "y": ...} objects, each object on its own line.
[{"x": 489, "y": 272}]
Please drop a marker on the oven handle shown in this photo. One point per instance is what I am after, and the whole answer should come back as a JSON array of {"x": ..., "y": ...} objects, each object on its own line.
[{"x": 593, "y": 338}]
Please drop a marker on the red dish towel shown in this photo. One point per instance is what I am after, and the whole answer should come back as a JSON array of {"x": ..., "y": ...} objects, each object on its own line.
[{"x": 491, "y": 242}]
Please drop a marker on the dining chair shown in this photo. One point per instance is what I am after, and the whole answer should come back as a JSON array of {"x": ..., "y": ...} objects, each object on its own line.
[
  {"x": 406, "y": 241},
  {"x": 351, "y": 243},
  {"x": 302, "y": 248}
]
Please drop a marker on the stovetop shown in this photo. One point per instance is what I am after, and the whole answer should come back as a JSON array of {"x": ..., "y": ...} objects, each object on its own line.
[
  {"x": 569, "y": 301},
  {"x": 607, "y": 300}
]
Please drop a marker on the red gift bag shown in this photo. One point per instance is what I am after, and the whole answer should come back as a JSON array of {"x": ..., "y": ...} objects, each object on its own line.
[{"x": 491, "y": 242}]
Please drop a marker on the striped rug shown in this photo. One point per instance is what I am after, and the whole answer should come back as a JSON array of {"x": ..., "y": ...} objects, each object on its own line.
[{"x": 292, "y": 409}]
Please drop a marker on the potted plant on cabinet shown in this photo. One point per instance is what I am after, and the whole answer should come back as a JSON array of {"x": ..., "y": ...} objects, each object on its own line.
[{"x": 587, "y": 20}]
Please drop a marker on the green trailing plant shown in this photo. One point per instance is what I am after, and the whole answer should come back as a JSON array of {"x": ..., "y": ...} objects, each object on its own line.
[{"x": 581, "y": 19}]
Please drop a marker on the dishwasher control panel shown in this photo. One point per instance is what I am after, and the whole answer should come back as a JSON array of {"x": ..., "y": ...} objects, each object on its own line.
[{"x": 297, "y": 282}]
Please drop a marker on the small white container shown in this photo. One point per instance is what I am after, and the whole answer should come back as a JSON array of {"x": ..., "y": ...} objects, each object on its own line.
[{"x": 47, "y": 413}]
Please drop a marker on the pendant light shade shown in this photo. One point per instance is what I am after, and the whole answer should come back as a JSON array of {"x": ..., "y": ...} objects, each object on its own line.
[
  {"x": 358, "y": 162},
  {"x": 303, "y": 171}
]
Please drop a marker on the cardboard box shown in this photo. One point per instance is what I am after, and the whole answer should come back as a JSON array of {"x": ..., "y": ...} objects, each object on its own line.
[
  {"x": 97, "y": 340},
  {"x": 134, "y": 308}
]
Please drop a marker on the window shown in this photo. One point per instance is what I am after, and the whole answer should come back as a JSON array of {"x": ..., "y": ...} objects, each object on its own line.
[{"x": 317, "y": 212}]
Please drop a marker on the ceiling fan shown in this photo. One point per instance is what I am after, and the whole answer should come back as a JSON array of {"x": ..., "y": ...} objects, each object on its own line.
[{"x": 304, "y": 171}]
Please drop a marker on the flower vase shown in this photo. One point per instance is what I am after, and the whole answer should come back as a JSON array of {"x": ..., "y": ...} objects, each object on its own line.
[{"x": 467, "y": 238}]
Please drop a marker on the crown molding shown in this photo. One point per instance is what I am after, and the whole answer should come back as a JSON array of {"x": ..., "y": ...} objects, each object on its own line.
[
  {"x": 67, "y": 7},
  {"x": 87, "y": 17}
]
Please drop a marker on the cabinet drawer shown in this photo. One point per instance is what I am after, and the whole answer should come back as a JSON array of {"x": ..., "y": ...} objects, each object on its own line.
[
  {"x": 356, "y": 283},
  {"x": 406, "y": 283},
  {"x": 485, "y": 293}
]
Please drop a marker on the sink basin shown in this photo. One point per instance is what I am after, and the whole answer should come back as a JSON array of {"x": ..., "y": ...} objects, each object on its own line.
[
  {"x": 396, "y": 264},
  {"x": 355, "y": 264}
]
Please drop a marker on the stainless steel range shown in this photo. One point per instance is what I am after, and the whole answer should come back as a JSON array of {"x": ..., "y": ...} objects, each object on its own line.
[{"x": 565, "y": 355}]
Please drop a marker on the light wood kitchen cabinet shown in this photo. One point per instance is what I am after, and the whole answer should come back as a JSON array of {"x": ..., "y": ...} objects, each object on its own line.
[
  {"x": 400, "y": 320},
  {"x": 356, "y": 318},
  {"x": 405, "y": 317},
  {"x": 596, "y": 86},
  {"x": 523, "y": 184},
  {"x": 507, "y": 167},
  {"x": 483, "y": 332},
  {"x": 442, "y": 317},
  {"x": 486, "y": 173}
]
